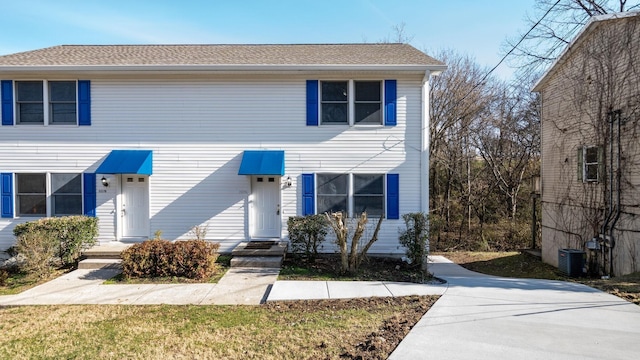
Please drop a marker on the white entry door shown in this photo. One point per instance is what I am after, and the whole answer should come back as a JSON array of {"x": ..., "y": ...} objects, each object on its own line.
[
  {"x": 265, "y": 217},
  {"x": 135, "y": 206}
]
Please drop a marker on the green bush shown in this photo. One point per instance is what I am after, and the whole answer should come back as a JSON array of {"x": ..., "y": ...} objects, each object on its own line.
[
  {"x": 194, "y": 259},
  {"x": 36, "y": 250},
  {"x": 306, "y": 233},
  {"x": 415, "y": 238},
  {"x": 71, "y": 234}
]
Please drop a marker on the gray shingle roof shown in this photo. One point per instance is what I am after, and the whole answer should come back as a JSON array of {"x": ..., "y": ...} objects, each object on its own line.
[{"x": 176, "y": 55}]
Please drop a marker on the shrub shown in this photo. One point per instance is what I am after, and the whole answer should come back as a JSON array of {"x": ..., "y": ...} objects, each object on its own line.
[
  {"x": 350, "y": 260},
  {"x": 36, "y": 250},
  {"x": 194, "y": 259},
  {"x": 71, "y": 234},
  {"x": 306, "y": 233},
  {"x": 415, "y": 238}
]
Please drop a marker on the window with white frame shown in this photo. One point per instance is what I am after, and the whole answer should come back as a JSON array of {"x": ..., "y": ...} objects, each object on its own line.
[
  {"x": 368, "y": 102},
  {"x": 351, "y": 193},
  {"x": 351, "y": 102},
  {"x": 62, "y": 197},
  {"x": 590, "y": 163},
  {"x": 59, "y": 100}
]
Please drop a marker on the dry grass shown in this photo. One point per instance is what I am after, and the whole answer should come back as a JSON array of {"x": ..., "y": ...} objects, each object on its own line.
[
  {"x": 522, "y": 265},
  {"x": 310, "y": 330}
]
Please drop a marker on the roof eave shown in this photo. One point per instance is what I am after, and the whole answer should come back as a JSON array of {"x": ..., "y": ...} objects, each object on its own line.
[
  {"x": 591, "y": 25},
  {"x": 218, "y": 68}
]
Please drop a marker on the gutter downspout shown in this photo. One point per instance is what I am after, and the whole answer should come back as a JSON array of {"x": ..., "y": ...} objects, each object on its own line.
[
  {"x": 612, "y": 242},
  {"x": 425, "y": 143}
]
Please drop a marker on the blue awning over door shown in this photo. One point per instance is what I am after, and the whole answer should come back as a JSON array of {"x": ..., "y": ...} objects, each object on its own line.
[
  {"x": 262, "y": 162},
  {"x": 127, "y": 162}
]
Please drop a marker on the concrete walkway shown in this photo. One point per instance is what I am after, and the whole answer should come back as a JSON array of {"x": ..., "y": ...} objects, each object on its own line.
[
  {"x": 485, "y": 317},
  {"x": 477, "y": 317},
  {"x": 239, "y": 286}
]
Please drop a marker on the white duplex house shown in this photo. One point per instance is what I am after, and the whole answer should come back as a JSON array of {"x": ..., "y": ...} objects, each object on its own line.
[{"x": 236, "y": 138}]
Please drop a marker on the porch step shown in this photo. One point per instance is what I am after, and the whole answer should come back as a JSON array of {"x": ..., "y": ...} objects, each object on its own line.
[
  {"x": 259, "y": 254},
  {"x": 100, "y": 264},
  {"x": 108, "y": 251},
  {"x": 257, "y": 261}
]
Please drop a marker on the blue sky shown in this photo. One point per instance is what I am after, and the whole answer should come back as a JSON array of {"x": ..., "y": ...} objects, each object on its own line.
[{"x": 474, "y": 27}]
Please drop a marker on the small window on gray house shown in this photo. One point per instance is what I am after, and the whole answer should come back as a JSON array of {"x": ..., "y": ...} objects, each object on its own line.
[{"x": 590, "y": 163}]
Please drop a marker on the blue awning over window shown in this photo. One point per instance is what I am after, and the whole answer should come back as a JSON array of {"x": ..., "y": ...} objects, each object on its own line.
[
  {"x": 262, "y": 162},
  {"x": 127, "y": 162}
]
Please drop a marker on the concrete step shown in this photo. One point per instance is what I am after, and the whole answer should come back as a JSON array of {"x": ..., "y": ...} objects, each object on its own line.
[
  {"x": 100, "y": 264},
  {"x": 106, "y": 251},
  {"x": 248, "y": 248},
  {"x": 257, "y": 261}
]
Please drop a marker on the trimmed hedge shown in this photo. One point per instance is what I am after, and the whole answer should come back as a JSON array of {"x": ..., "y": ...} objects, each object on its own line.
[
  {"x": 306, "y": 233},
  {"x": 193, "y": 259},
  {"x": 69, "y": 234}
]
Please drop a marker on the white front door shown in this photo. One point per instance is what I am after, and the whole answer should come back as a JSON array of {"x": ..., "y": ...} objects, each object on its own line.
[
  {"x": 135, "y": 206},
  {"x": 265, "y": 217}
]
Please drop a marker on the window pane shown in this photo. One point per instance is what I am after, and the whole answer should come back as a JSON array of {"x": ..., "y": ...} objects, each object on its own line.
[
  {"x": 591, "y": 172},
  {"x": 372, "y": 204},
  {"x": 368, "y": 113},
  {"x": 31, "y": 183},
  {"x": 332, "y": 184},
  {"x": 29, "y": 90},
  {"x": 30, "y": 113},
  {"x": 66, "y": 184},
  {"x": 62, "y": 91},
  {"x": 334, "y": 91},
  {"x": 63, "y": 113},
  {"x": 334, "y": 113},
  {"x": 32, "y": 205},
  {"x": 591, "y": 155},
  {"x": 368, "y": 184},
  {"x": 66, "y": 205},
  {"x": 367, "y": 91},
  {"x": 328, "y": 203}
]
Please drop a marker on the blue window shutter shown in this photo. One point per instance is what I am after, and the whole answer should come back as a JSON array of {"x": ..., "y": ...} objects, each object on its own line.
[
  {"x": 6, "y": 193},
  {"x": 308, "y": 189},
  {"x": 89, "y": 192},
  {"x": 390, "y": 95},
  {"x": 7, "y": 102},
  {"x": 312, "y": 103},
  {"x": 84, "y": 102},
  {"x": 393, "y": 196}
]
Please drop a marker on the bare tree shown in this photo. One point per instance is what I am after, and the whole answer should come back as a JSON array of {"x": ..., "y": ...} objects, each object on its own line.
[{"x": 552, "y": 26}]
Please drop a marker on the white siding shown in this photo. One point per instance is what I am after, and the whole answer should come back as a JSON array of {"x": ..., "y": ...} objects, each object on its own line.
[{"x": 198, "y": 130}]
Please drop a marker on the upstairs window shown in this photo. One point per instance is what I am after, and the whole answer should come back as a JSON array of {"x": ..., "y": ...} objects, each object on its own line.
[
  {"x": 335, "y": 102},
  {"x": 59, "y": 100},
  {"x": 62, "y": 102},
  {"x": 368, "y": 102},
  {"x": 29, "y": 102},
  {"x": 590, "y": 163},
  {"x": 351, "y": 102}
]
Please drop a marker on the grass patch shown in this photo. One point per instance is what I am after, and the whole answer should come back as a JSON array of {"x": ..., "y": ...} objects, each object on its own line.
[
  {"x": 282, "y": 330},
  {"x": 15, "y": 281},
  {"x": 523, "y": 265}
]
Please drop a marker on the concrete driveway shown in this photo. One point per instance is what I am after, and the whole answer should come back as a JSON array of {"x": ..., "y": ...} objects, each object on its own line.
[{"x": 485, "y": 317}]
